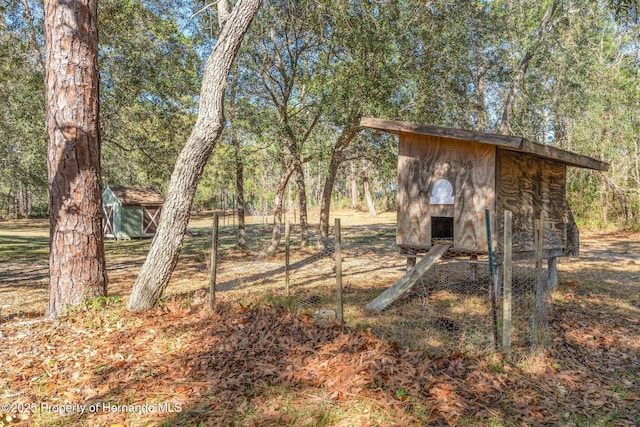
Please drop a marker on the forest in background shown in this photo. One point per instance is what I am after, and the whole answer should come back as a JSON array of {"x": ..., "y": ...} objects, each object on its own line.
[{"x": 561, "y": 73}]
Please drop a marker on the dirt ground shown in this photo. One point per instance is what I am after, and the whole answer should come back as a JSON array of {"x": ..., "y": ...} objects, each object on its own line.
[{"x": 261, "y": 364}]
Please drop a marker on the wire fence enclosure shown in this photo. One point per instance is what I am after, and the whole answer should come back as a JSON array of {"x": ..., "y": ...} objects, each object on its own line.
[{"x": 455, "y": 306}]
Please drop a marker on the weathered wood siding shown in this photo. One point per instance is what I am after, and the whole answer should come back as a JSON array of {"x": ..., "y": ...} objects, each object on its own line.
[
  {"x": 526, "y": 185},
  {"x": 469, "y": 166}
]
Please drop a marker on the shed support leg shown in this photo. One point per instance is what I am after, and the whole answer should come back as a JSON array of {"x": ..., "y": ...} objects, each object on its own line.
[
  {"x": 411, "y": 259},
  {"x": 474, "y": 268}
]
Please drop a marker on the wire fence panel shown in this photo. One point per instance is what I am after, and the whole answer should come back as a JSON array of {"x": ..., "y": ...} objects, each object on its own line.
[{"x": 449, "y": 309}]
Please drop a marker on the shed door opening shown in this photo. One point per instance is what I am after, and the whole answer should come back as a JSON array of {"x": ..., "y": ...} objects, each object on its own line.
[{"x": 442, "y": 227}]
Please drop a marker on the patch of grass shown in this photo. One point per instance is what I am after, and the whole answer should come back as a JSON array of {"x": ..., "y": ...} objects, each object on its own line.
[
  {"x": 23, "y": 248},
  {"x": 101, "y": 302}
]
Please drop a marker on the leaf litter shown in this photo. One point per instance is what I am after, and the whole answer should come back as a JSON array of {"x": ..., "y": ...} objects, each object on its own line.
[
  {"x": 264, "y": 365},
  {"x": 226, "y": 368}
]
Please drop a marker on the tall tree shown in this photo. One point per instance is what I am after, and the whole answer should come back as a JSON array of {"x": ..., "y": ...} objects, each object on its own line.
[
  {"x": 23, "y": 165},
  {"x": 165, "y": 249},
  {"x": 283, "y": 59},
  {"x": 365, "y": 71},
  {"x": 544, "y": 28},
  {"x": 76, "y": 263},
  {"x": 148, "y": 90}
]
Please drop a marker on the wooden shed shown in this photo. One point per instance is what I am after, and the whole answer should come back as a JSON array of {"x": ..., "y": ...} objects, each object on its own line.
[
  {"x": 130, "y": 211},
  {"x": 448, "y": 177}
]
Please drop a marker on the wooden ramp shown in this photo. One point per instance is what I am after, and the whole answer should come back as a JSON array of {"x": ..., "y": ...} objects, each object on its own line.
[{"x": 407, "y": 281}]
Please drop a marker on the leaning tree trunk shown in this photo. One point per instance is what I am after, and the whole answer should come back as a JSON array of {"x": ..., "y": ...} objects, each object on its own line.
[
  {"x": 325, "y": 200},
  {"x": 354, "y": 186},
  {"x": 165, "y": 249},
  {"x": 347, "y": 135},
  {"x": 367, "y": 193},
  {"x": 276, "y": 235},
  {"x": 76, "y": 261}
]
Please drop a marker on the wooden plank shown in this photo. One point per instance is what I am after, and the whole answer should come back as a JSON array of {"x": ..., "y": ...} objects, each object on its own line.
[
  {"x": 552, "y": 266},
  {"x": 527, "y": 186},
  {"x": 213, "y": 262},
  {"x": 572, "y": 246},
  {"x": 287, "y": 251},
  {"x": 564, "y": 156},
  {"x": 394, "y": 126},
  {"x": 475, "y": 181},
  {"x": 504, "y": 141},
  {"x": 338, "y": 246},
  {"x": 470, "y": 169},
  {"x": 407, "y": 281},
  {"x": 494, "y": 279}
]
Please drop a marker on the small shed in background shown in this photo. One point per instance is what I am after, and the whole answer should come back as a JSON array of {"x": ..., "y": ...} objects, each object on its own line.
[
  {"x": 448, "y": 177},
  {"x": 130, "y": 211}
]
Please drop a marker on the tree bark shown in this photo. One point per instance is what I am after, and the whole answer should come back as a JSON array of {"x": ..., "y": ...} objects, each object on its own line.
[
  {"x": 77, "y": 269},
  {"x": 367, "y": 193},
  {"x": 276, "y": 235},
  {"x": 20, "y": 202},
  {"x": 302, "y": 197},
  {"x": 165, "y": 249},
  {"x": 480, "y": 90},
  {"x": 325, "y": 201},
  {"x": 347, "y": 135},
  {"x": 354, "y": 186}
]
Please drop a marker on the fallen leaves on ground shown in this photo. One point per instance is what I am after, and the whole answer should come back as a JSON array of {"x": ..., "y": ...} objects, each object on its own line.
[{"x": 268, "y": 366}]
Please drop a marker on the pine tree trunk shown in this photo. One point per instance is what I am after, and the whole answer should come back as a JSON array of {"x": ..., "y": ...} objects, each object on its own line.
[
  {"x": 76, "y": 262},
  {"x": 167, "y": 244}
]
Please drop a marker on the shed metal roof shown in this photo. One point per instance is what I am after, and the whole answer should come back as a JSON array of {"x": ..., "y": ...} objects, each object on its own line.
[
  {"x": 137, "y": 195},
  {"x": 506, "y": 142}
]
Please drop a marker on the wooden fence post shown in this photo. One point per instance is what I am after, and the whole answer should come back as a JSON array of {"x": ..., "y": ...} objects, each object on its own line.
[
  {"x": 538, "y": 307},
  {"x": 507, "y": 278},
  {"x": 339, "y": 302},
  {"x": 213, "y": 260},
  {"x": 287, "y": 249}
]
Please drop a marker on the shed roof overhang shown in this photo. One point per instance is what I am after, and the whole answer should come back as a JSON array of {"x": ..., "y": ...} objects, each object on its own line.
[
  {"x": 136, "y": 195},
  {"x": 513, "y": 143}
]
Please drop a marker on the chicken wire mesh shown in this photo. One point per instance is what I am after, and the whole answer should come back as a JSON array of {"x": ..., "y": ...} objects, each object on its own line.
[
  {"x": 457, "y": 306},
  {"x": 303, "y": 281},
  {"x": 451, "y": 308}
]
